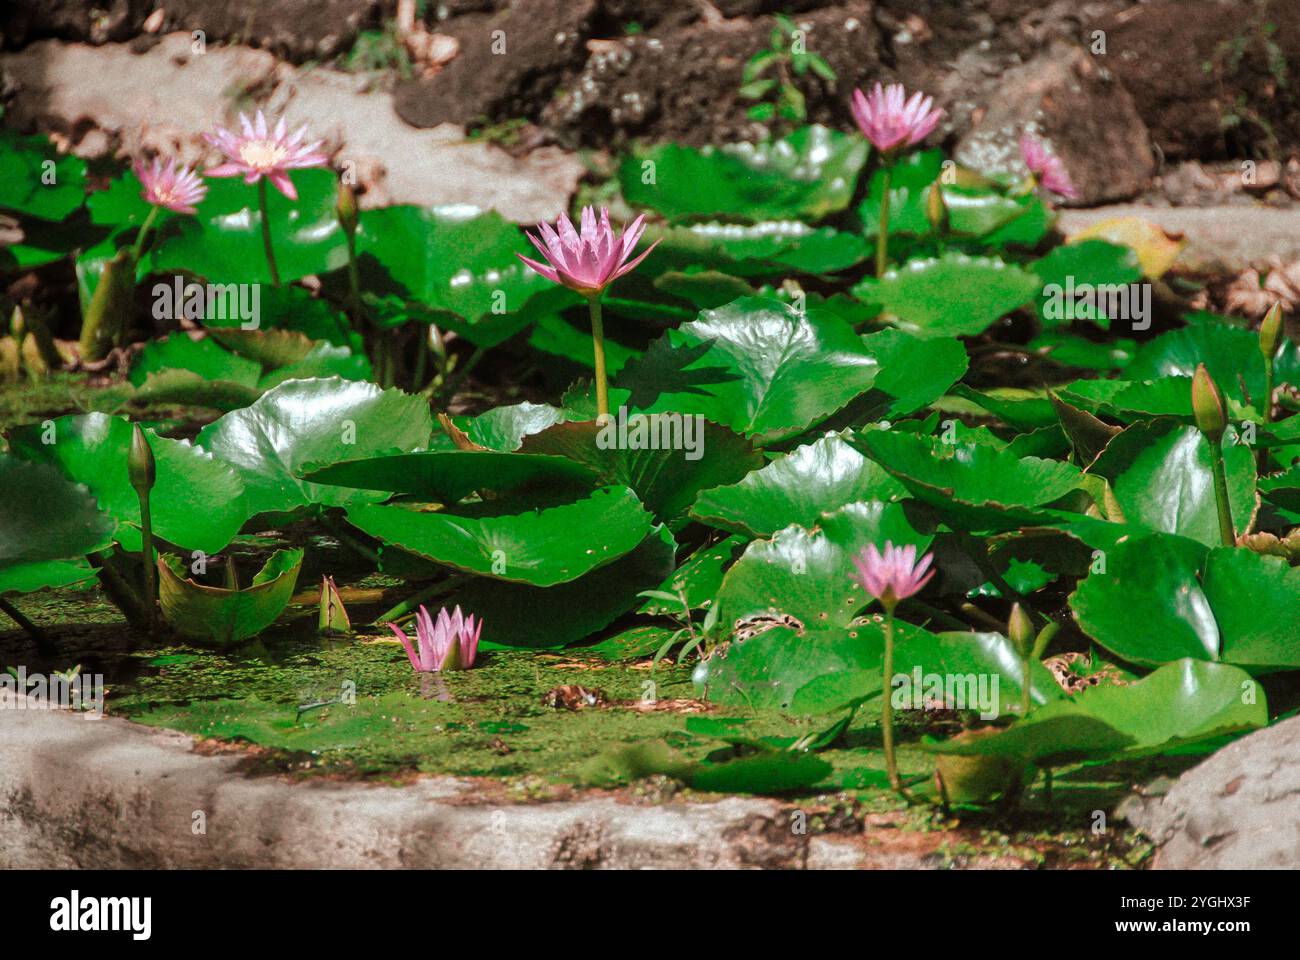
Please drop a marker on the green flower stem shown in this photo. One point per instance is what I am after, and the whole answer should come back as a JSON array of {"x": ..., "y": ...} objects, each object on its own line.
[
  {"x": 150, "y": 564},
  {"x": 266, "y": 231},
  {"x": 1267, "y": 412},
  {"x": 882, "y": 241},
  {"x": 887, "y": 707},
  {"x": 598, "y": 347},
  {"x": 1226, "y": 530},
  {"x": 138, "y": 247}
]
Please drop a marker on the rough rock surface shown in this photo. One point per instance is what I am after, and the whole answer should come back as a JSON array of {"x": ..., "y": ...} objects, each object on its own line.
[
  {"x": 296, "y": 29},
  {"x": 506, "y": 60},
  {"x": 1239, "y": 810},
  {"x": 107, "y": 793},
  {"x": 109, "y": 100},
  {"x": 1065, "y": 98},
  {"x": 1212, "y": 78}
]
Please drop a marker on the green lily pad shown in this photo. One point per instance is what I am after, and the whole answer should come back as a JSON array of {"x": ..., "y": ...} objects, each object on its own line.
[
  {"x": 303, "y": 425},
  {"x": 1181, "y": 703},
  {"x": 974, "y": 485},
  {"x": 1160, "y": 473},
  {"x": 699, "y": 576},
  {"x": 539, "y": 547},
  {"x": 788, "y": 670},
  {"x": 523, "y": 615},
  {"x": 459, "y": 260},
  {"x": 809, "y": 174},
  {"x": 1162, "y": 598},
  {"x": 223, "y": 242},
  {"x": 808, "y": 574},
  {"x": 767, "y": 248},
  {"x": 47, "y": 517},
  {"x": 755, "y": 365},
  {"x": 35, "y": 179},
  {"x": 204, "y": 357},
  {"x": 504, "y": 428},
  {"x": 1092, "y": 262},
  {"x": 951, "y": 295},
  {"x": 446, "y": 476},
  {"x": 693, "y": 454},
  {"x": 796, "y": 489},
  {"x": 225, "y": 617},
  {"x": 197, "y": 502}
]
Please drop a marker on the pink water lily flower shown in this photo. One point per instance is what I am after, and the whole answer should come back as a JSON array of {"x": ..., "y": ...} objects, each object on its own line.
[
  {"x": 590, "y": 260},
  {"x": 893, "y": 575},
  {"x": 1046, "y": 167},
  {"x": 891, "y": 120},
  {"x": 177, "y": 188},
  {"x": 259, "y": 152},
  {"x": 449, "y": 643}
]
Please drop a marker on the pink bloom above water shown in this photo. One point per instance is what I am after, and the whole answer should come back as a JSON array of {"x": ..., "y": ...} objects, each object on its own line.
[
  {"x": 448, "y": 643},
  {"x": 259, "y": 152},
  {"x": 893, "y": 575},
  {"x": 591, "y": 260},
  {"x": 1046, "y": 167},
  {"x": 890, "y": 120},
  {"x": 178, "y": 189}
]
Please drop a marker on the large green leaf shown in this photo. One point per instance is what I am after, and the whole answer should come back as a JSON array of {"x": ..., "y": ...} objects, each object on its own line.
[
  {"x": 1230, "y": 353},
  {"x": 788, "y": 670},
  {"x": 221, "y": 616},
  {"x": 975, "y": 485},
  {"x": 796, "y": 489},
  {"x": 1160, "y": 474},
  {"x": 46, "y": 517},
  {"x": 197, "y": 502},
  {"x": 303, "y": 425},
  {"x": 539, "y": 547},
  {"x": 455, "y": 259},
  {"x": 666, "y": 458},
  {"x": 951, "y": 295},
  {"x": 1181, "y": 703},
  {"x": 808, "y": 574},
  {"x": 1071, "y": 266},
  {"x": 203, "y": 357},
  {"x": 768, "y": 248},
  {"x": 755, "y": 365},
  {"x": 223, "y": 242},
  {"x": 523, "y": 615},
  {"x": 914, "y": 371},
  {"x": 809, "y": 174},
  {"x": 1161, "y": 598},
  {"x": 446, "y": 476},
  {"x": 504, "y": 428},
  {"x": 37, "y": 180}
]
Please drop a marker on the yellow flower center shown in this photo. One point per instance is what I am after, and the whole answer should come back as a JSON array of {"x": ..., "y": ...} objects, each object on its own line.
[{"x": 262, "y": 155}]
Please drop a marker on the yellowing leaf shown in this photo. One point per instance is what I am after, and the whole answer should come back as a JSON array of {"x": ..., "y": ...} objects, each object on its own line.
[{"x": 1156, "y": 249}]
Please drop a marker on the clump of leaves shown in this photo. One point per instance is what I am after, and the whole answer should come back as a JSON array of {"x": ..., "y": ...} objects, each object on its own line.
[{"x": 772, "y": 76}]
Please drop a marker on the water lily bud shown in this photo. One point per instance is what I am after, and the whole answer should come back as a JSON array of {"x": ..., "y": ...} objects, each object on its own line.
[
  {"x": 139, "y": 462},
  {"x": 1270, "y": 331},
  {"x": 1020, "y": 630},
  {"x": 936, "y": 211},
  {"x": 333, "y": 615},
  {"x": 346, "y": 208},
  {"x": 1207, "y": 404}
]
